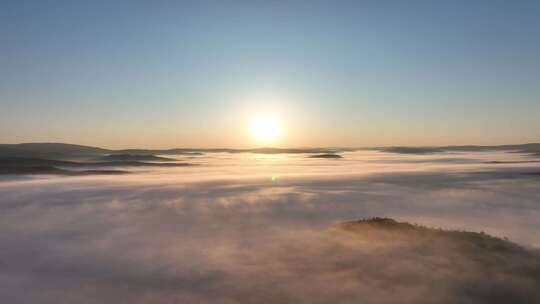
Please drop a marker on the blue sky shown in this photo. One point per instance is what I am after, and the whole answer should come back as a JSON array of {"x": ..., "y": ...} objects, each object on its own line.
[{"x": 337, "y": 73}]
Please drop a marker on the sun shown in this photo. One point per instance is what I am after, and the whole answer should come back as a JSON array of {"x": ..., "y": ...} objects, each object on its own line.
[{"x": 265, "y": 128}]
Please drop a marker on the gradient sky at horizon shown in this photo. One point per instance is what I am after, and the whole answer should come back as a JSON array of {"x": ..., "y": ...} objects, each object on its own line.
[{"x": 338, "y": 73}]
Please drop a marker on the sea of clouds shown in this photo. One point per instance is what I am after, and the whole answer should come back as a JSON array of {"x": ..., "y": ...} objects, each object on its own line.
[{"x": 243, "y": 228}]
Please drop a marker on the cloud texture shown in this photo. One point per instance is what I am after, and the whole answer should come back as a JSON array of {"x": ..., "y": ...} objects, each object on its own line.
[{"x": 259, "y": 229}]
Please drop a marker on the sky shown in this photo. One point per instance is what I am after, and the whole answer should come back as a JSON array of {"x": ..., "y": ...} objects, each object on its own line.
[{"x": 160, "y": 74}]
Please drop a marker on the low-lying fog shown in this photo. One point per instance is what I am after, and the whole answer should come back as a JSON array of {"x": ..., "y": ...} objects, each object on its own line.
[{"x": 250, "y": 228}]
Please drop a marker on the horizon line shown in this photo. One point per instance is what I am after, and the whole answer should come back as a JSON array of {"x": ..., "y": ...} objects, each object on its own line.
[{"x": 277, "y": 148}]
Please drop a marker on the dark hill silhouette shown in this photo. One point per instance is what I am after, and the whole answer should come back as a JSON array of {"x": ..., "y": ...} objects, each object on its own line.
[
  {"x": 531, "y": 148},
  {"x": 70, "y": 151},
  {"x": 50, "y": 150},
  {"x": 413, "y": 150},
  {"x": 470, "y": 267},
  {"x": 326, "y": 155},
  {"x": 133, "y": 157},
  {"x": 26, "y": 165}
]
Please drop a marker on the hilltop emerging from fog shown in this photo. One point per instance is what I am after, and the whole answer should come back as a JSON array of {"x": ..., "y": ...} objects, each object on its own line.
[
  {"x": 61, "y": 150},
  {"x": 68, "y": 159}
]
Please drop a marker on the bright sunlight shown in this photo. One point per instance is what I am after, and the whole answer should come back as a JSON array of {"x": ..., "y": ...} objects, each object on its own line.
[{"x": 265, "y": 128}]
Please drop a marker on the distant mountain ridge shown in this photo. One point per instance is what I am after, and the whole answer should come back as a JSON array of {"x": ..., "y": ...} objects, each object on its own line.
[
  {"x": 49, "y": 150},
  {"x": 528, "y": 148},
  {"x": 61, "y": 151},
  {"x": 70, "y": 159},
  {"x": 66, "y": 151}
]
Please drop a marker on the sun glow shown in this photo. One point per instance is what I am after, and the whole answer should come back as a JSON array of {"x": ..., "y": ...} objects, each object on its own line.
[{"x": 265, "y": 128}]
